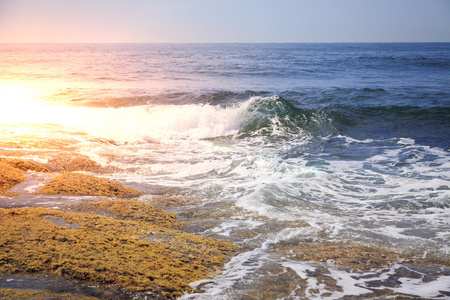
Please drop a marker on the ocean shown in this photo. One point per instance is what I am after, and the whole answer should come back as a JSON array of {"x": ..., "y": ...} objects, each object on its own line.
[{"x": 290, "y": 151}]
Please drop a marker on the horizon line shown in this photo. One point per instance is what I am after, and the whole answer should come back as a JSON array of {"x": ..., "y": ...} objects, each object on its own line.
[{"x": 401, "y": 42}]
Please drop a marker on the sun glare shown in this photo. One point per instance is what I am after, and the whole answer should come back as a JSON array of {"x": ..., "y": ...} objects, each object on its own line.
[
  {"x": 23, "y": 105},
  {"x": 20, "y": 105}
]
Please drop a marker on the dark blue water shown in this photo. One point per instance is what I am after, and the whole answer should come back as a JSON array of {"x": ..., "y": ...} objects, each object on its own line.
[{"x": 368, "y": 90}]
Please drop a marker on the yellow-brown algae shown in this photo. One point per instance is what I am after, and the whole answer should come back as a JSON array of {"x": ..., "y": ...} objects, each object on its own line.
[
  {"x": 73, "y": 162},
  {"x": 23, "y": 165},
  {"x": 276, "y": 283},
  {"x": 9, "y": 177},
  {"x": 135, "y": 255},
  {"x": 12, "y": 172},
  {"x": 82, "y": 184},
  {"x": 128, "y": 209},
  {"x": 354, "y": 255},
  {"x": 122, "y": 242},
  {"x": 40, "y": 295}
]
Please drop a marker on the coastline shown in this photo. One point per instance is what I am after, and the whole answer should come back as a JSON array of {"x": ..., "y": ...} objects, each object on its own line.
[
  {"x": 332, "y": 183},
  {"x": 119, "y": 244},
  {"x": 105, "y": 243}
]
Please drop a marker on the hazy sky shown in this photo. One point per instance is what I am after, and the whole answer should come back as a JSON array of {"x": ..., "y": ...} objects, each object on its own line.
[{"x": 224, "y": 21}]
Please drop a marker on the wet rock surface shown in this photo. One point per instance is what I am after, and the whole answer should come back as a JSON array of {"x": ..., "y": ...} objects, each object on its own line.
[{"x": 88, "y": 246}]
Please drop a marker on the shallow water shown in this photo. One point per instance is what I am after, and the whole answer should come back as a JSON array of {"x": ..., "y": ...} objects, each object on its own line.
[{"x": 272, "y": 146}]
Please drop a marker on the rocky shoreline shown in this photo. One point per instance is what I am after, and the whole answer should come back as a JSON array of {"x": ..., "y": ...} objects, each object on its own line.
[
  {"x": 70, "y": 235},
  {"x": 124, "y": 247}
]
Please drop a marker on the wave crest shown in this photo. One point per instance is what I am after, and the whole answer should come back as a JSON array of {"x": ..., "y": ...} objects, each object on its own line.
[{"x": 258, "y": 116}]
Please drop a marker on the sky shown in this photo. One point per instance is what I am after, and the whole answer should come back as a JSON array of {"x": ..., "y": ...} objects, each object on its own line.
[{"x": 223, "y": 21}]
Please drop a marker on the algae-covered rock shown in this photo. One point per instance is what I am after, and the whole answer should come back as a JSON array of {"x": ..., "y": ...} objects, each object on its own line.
[
  {"x": 128, "y": 209},
  {"x": 354, "y": 255},
  {"x": 9, "y": 177},
  {"x": 123, "y": 243},
  {"x": 23, "y": 165},
  {"x": 135, "y": 255},
  {"x": 40, "y": 295},
  {"x": 350, "y": 255},
  {"x": 12, "y": 172},
  {"x": 81, "y": 184},
  {"x": 73, "y": 162}
]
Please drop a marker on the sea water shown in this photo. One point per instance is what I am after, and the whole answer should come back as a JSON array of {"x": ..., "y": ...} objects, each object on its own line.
[{"x": 270, "y": 146}]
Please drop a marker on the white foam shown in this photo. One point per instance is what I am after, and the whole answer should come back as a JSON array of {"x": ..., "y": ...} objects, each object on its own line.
[
  {"x": 406, "y": 141},
  {"x": 235, "y": 271},
  {"x": 354, "y": 284},
  {"x": 152, "y": 123},
  {"x": 162, "y": 123},
  {"x": 229, "y": 226},
  {"x": 356, "y": 141},
  {"x": 343, "y": 279},
  {"x": 428, "y": 290}
]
